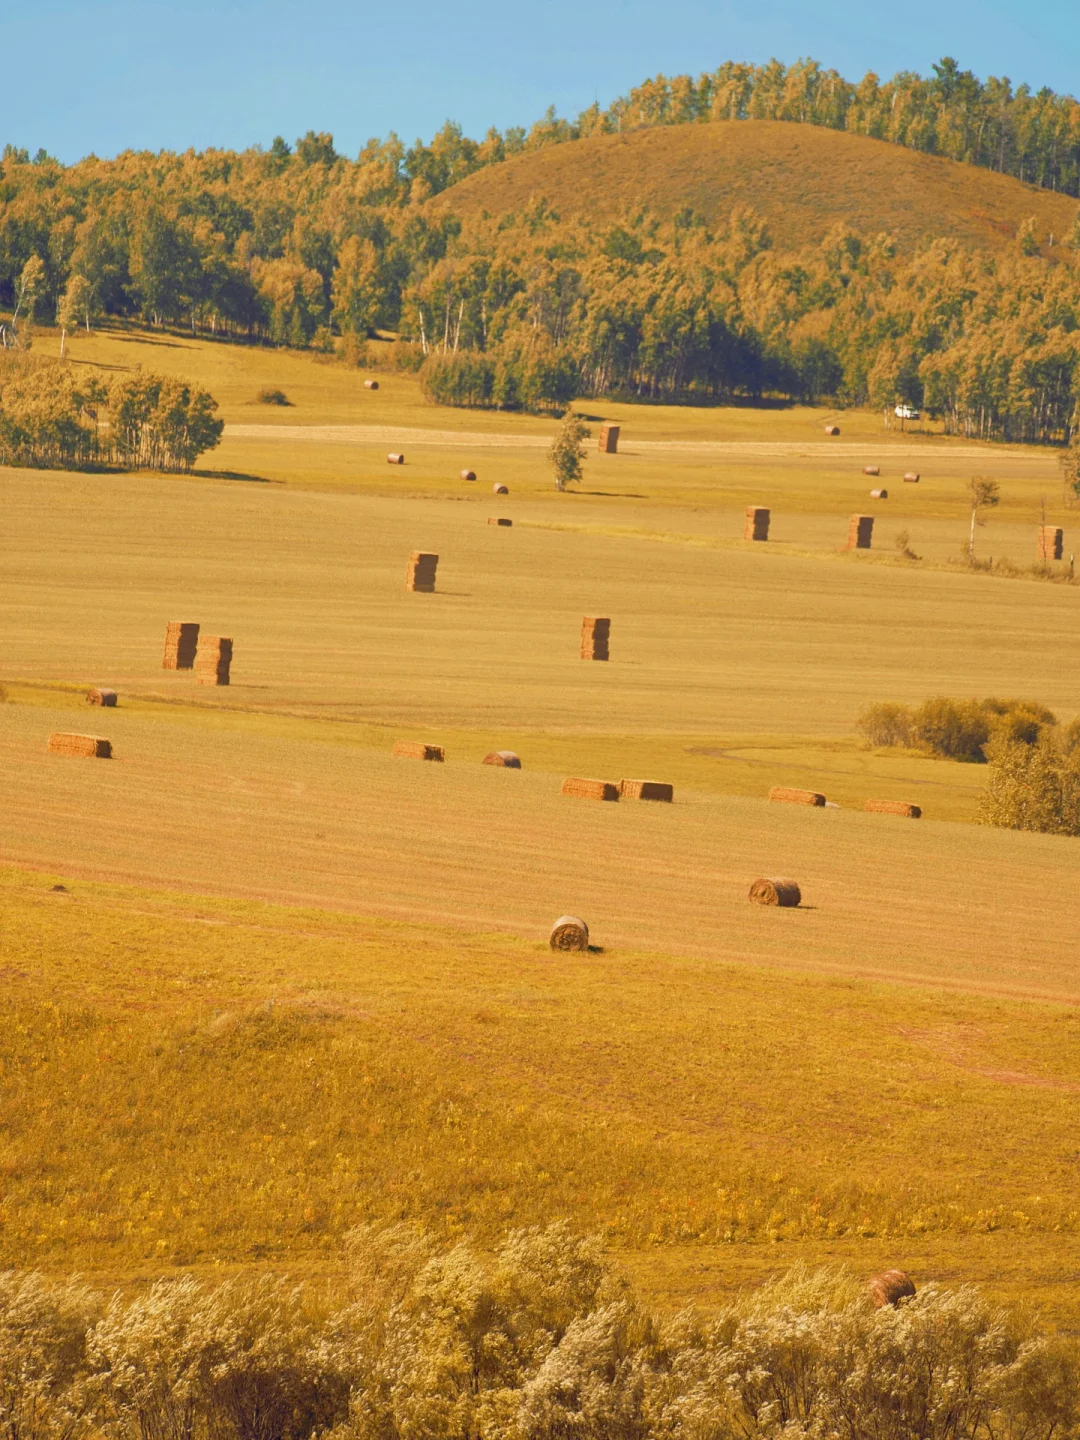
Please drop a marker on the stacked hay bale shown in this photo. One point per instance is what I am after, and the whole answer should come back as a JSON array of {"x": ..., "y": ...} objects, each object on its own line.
[
  {"x": 569, "y": 933},
  {"x": 646, "y": 790},
  {"x": 214, "y": 660},
  {"x": 608, "y": 443},
  {"x": 773, "y": 890},
  {"x": 894, "y": 807},
  {"x": 860, "y": 532},
  {"x": 101, "y": 697},
  {"x": 786, "y": 795},
  {"x": 420, "y": 574},
  {"x": 181, "y": 645},
  {"x": 418, "y": 750},
  {"x": 92, "y": 746},
  {"x": 757, "y": 523},
  {"x": 589, "y": 789},
  {"x": 505, "y": 758},
  {"x": 1051, "y": 542},
  {"x": 595, "y": 634},
  {"x": 500, "y": 520}
]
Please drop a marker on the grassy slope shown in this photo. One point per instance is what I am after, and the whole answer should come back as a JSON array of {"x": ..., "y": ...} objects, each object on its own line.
[
  {"x": 293, "y": 1072},
  {"x": 687, "y": 1076},
  {"x": 801, "y": 179}
]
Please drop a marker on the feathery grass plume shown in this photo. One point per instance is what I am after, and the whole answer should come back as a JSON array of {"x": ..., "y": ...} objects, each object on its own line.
[{"x": 43, "y": 1326}]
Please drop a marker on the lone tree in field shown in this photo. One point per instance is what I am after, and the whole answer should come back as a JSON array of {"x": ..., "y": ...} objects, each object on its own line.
[
  {"x": 568, "y": 450},
  {"x": 984, "y": 495}
]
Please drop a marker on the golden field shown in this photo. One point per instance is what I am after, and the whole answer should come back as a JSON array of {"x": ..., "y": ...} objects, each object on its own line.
[{"x": 294, "y": 982}]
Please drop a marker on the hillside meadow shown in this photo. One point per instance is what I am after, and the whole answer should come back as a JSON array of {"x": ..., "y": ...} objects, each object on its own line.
[
  {"x": 291, "y": 983},
  {"x": 800, "y": 179}
]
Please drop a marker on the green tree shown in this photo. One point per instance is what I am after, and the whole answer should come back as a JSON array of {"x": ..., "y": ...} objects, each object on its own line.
[
  {"x": 984, "y": 494},
  {"x": 75, "y": 307},
  {"x": 568, "y": 450}
]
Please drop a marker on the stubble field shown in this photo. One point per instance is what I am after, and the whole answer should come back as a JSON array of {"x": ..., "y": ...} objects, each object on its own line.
[{"x": 888, "y": 1073}]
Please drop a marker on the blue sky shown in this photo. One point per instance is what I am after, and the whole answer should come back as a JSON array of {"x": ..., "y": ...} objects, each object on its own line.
[{"x": 106, "y": 75}]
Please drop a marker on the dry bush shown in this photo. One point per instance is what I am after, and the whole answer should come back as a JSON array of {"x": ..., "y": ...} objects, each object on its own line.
[
  {"x": 886, "y": 724},
  {"x": 273, "y": 397},
  {"x": 43, "y": 1326}
]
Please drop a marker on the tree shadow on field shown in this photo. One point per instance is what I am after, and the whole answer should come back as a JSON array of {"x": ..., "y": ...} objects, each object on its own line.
[
  {"x": 236, "y": 475},
  {"x": 615, "y": 494},
  {"x": 596, "y": 949},
  {"x": 150, "y": 340}
]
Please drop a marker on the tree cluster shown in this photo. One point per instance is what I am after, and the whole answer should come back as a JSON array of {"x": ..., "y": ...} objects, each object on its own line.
[
  {"x": 303, "y": 247},
  {"x": 962, "y": 729},
  {"x": 537, "y": 1342},
  {"x": 52, "y": 417}
]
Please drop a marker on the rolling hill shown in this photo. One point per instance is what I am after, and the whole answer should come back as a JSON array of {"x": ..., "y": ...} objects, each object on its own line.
[{"x": 802, "y": 179}]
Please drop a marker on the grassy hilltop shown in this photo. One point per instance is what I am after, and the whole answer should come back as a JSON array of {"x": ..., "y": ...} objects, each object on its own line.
[
  {"x": 293, "y": 983},
  {"x": 800, "y": 179}
]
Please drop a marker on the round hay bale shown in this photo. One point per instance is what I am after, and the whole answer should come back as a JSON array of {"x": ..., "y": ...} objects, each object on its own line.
[
  {"x": 911, "y": 477},
  {"x": 871, "y": 470},
  {"x": 569, "y": 933},
  {"x": 394, "y": 458},
  {"x": 468, "y": 474},
  {"x": 879, "y": 494},
  {"x": 832, "y": 429},
  {"x": 101, "y": 697},
  {"x": 771, "y": 890},
  {"x": 371, "y": 384},
  {"x": 500, "y": 490},
  {"x": 506, "y": 758},
  {"x": 890, "y": 1287}
]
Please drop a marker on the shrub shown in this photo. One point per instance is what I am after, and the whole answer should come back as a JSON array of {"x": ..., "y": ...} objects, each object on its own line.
[
  {"x": 1032, "y": 787},
  {"x": 957, "y": 729},
  {"x": 1022, "y": 720},
  {"x": 465, "y": 378},
  {"x": 886, "y": 724},
  {"x": 273, "y": 397}
]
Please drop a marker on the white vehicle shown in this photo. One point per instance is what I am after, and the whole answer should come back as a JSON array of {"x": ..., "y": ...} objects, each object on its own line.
[{"x": 906, "y": 412}]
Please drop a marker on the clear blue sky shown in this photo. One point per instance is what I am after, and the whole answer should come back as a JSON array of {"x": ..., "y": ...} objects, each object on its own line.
[{"x": 107, "y": 75}]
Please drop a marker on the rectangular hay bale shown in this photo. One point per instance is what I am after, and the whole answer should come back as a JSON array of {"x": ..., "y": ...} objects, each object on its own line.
[
  {"x": 420, "y": 572},
  {"x": 646, "y": 790},
  {"x": 757, "y": 523},
  {"x": 787, "y": 795},
  {"x": 63, "y": 743},
  {"x": 1051, "y": 542},
  {"x": 608, "y": 443},
  {"x": 181, "y": 645},
  {"x": 894, "y": 807},
  {"x": 214, "y": 660},
  {"x": 498, "y": 520},
  {"x": 860, "y": 532},
  {"x": 418, "y": 750},
  {"x": 589, "y": 789}
]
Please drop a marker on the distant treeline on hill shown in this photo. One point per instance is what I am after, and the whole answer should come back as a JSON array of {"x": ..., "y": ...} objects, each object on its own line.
[{"x": 299, "y": 246}]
